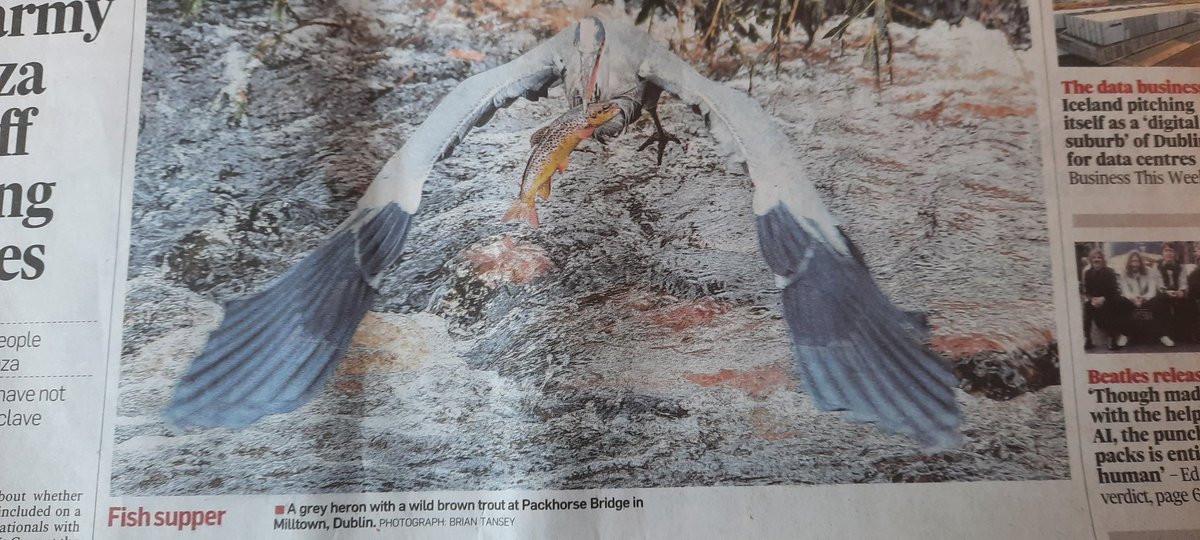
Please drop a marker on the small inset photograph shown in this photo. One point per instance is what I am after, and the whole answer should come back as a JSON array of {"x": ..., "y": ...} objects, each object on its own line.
[
  {"x": 1127, "y": 33},
  {"x": 1139, "y": 297}
]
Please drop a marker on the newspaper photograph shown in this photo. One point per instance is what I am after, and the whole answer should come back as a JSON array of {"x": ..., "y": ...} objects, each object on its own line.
[
  {"x": 636, "y": 317},
  {"x": 654, "y": 269}
]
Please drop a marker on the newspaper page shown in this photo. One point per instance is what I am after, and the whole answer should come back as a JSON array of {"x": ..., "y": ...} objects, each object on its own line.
[
  {"x": 1124, "y": 127},
  {"x": 276, "y": 269},
  {"x": 69, "y": 91}
]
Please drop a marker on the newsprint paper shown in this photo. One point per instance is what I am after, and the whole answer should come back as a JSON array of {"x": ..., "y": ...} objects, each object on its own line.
[{"x": 500, "y": 268}]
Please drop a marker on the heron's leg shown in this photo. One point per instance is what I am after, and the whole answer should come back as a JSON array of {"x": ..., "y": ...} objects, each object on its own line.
[{"x": 660, "y": 136}]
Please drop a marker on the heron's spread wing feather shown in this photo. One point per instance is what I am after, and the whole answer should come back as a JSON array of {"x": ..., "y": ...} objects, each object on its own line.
[
  {"x": 472, "y": 103},
  {"x": 854, "y": 349},
  {"x": 275, "y": 350}
]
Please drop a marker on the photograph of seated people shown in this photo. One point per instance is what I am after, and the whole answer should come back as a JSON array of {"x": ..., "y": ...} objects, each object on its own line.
[{"x": 1139, "y": 296}]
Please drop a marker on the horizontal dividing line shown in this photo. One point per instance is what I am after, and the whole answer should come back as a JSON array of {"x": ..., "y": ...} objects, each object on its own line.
[
  {"x": 1154, "y": 535},
  {"x": 1084, "y": 221},
  {"x": 51, "y": 322},
  {"x": 44, "y": 376}
]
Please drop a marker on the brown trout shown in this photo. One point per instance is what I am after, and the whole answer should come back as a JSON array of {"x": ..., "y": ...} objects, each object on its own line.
[{"x": 552, "y": 146}]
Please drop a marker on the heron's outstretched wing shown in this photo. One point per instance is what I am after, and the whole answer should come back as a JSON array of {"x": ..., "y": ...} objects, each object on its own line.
[
  {"x": 276, "y": 349},
  {"x": 854, "y": 349}
]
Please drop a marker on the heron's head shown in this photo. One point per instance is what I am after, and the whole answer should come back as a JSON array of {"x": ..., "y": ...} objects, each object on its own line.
[
  {"x": 600, "y": 113},
  {"x": 589, "y": 44}
]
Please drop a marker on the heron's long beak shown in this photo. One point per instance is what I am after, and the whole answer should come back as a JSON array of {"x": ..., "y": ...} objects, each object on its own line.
[{"x": 589, "y": 86}]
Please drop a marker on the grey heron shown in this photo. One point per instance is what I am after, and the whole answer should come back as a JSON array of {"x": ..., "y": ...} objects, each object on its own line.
[{"x": 854, "y": 349}]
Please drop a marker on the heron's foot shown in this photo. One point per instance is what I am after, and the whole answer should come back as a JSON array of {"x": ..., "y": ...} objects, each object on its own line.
[{"x": 661, "y": 137}]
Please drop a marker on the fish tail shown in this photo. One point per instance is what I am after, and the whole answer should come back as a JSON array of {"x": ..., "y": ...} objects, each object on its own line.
[{"x": 521, "y": 210}]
